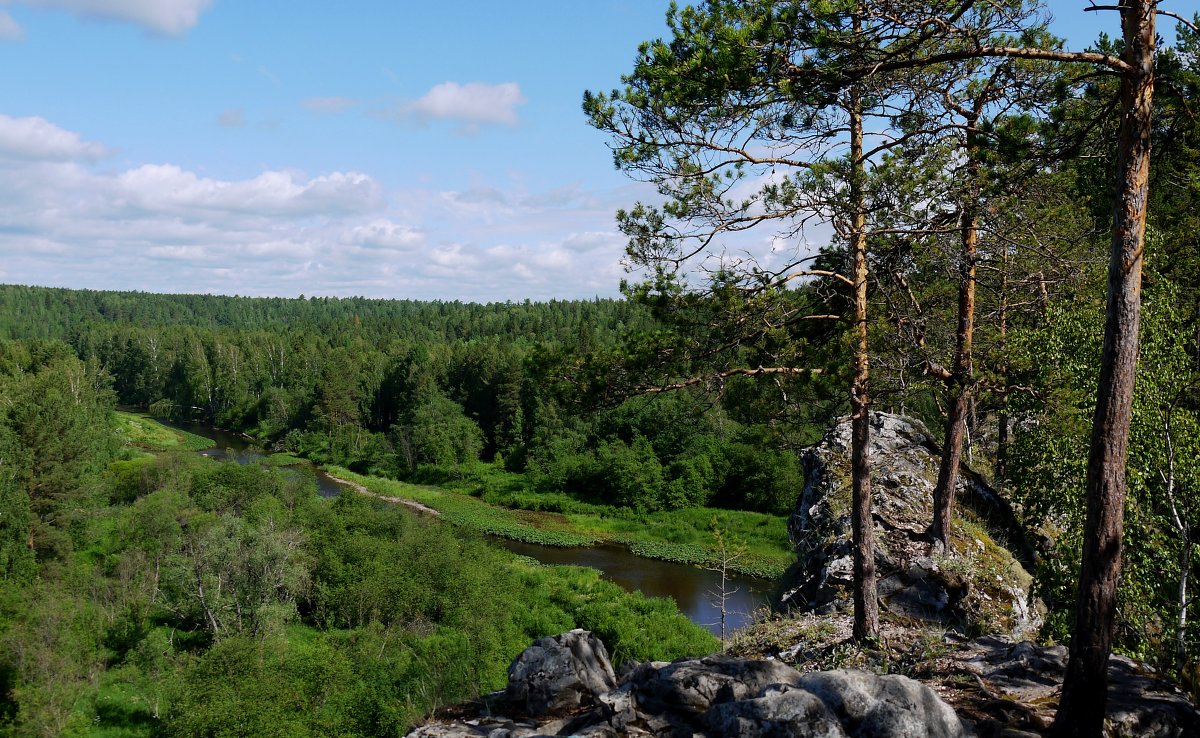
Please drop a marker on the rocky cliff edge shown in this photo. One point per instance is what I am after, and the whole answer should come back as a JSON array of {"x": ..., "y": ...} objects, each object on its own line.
[{"x": 980, "y": 585}]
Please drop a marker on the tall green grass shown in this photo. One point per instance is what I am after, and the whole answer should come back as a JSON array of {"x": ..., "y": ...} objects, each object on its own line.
[
  {"x": 139, "y": 430},
  {"x": 472, "y": 513},
  {"x": 502, "y": 507}
]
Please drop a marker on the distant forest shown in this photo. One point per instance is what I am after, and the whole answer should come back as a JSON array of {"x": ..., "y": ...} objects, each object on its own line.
[{"x": 424, "y": 390}]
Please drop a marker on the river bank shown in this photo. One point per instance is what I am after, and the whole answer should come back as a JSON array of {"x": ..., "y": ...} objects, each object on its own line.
[
  {"x": 494, "y": 502},
  {"x": 410, "y": 504},
  {"x": 550, "y": 538},
  {"x": 554, "y": 539},
  {"x": 685, "y": 536}
]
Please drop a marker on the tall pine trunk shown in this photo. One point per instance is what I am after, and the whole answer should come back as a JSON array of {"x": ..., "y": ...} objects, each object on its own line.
[
  {"x": 1001, "y": 471},
  {"x": 1081, "y": 710},
  {"x": 962, "y": 373},
  {"x": 866, "y": 598}
]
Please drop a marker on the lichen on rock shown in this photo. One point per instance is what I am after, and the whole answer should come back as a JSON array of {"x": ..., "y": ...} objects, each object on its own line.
[
  {"x": 559, "y": 674},
  {"x": 710, "y": 696},
  {"x": 979, "y": 585}
]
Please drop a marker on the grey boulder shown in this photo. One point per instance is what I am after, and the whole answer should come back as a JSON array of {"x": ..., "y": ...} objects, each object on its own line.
[
  {"x": 694, "y": 685},
  {"x": 888, "y": 706},
  {"x": 565, "y": 685},
  {"x": 779, "y": 712},
  {"x": 560, "y": 673}
]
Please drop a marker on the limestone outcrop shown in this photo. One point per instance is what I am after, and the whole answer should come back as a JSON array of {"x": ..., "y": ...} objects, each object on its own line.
[
  {"x": 979, "y": 583},
  {"x": 559, "y": 674},
  {"x": 990, "y": 687},
  {"x": 710, "y": 696},
  {"x": 995, "y": 686}
]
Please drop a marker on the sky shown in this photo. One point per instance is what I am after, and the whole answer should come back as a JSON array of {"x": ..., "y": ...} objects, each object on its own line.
[{"x": 382, "y": 148}]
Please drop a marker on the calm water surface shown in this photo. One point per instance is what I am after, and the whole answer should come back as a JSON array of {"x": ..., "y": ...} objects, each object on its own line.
[
  {"x": 694, "y": 590},
  {"x": 236, "y": 447}
]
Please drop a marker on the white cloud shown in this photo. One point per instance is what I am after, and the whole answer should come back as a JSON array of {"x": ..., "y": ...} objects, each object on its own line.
[
  {"x": 10, "y": 30},
  {"x": 283, "y": 249},
  {"x": 329, "y": 104},
  {"x": 232, "y": 118},
  {"x": 72, "y": 221},
  {"x": 454, "y": 256},
  {"x": 472, "y": 104},
  {"x": 385, "y": 234},
  {"x": 174, "y": 253},
  {"x": 166, "y": 17},
  {"x": 46, "y": 247},
  {"x": 589, "y": 240},
  {"x": 480, "y": 195},
  {"x": 168, "y": 188},
  {"x": 558, "y": 197},
  {"x": 36, "y": 138}
]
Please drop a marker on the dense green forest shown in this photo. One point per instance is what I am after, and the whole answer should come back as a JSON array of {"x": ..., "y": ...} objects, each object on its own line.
[
  {"x": 421, "y": 390},
  {"x": 165, "y": 593},
  {"x": 965, "y": 284},
  {"x": 174, "y": 569}
]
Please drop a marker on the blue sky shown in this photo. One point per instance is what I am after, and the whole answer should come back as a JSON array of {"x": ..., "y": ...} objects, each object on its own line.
[{"x": 378, "y": 148}]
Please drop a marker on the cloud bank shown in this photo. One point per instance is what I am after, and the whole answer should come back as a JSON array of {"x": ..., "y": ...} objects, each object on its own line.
[
  {"x": 71, "y": 219},
  {"x": 36, "y": 138}
]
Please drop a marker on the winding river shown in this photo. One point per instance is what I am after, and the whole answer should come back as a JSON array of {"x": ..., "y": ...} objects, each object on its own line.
[{"x": 694, "y": 590}]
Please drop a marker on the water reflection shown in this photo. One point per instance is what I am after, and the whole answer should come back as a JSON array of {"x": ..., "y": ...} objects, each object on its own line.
[
  {"x": 695, "y": 591},
  {"x": 238, "y": 448}
]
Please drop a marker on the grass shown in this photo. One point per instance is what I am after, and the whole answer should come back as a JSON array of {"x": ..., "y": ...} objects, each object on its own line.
[
  {"x": 683, "y": 536},
  {"x": 490, "y": 500},
  {"x": 474, "y": 514},
  {"x": 121, "y": 709},
  {"x": 686, "y": 536},
  {"x": 630, "y": 624},
  {"x": 283, "y": 459},
  {"x": 812, "y": 642},
  {"x": 141, "y": 431},
  {"x": 493, "y": 501}
]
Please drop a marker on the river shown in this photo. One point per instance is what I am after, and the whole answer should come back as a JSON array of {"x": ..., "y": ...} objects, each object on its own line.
[
  {"x": 695, "y": 591},
  {"x": 236, "y": 447}
]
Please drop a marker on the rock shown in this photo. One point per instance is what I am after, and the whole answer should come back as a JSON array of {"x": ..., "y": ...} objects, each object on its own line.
[
  {"x": 501, "y": 728},
  {"x": 981, "y": 585},
  {"x": 454, "y": 730},
  {"x": 712, "y": 696},
  {"x": 1140, "y": 704},
  {"x": 620, "y": 707},
  {"x": 914, "y": 593},
  {"x": 694, "y": 685},
  {"x": 780, "y": 712},
  {"x": 888, "y": 706},
  {"x": 1026, "y": 680},
  {"x": 559, "y": 674}
]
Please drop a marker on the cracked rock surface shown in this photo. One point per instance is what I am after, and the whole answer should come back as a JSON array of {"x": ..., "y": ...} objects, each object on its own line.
[
  {"x": 1018, "y": 684},
  {"x": 710, "y": 696},
  {"x": 979, "y": 582}
]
